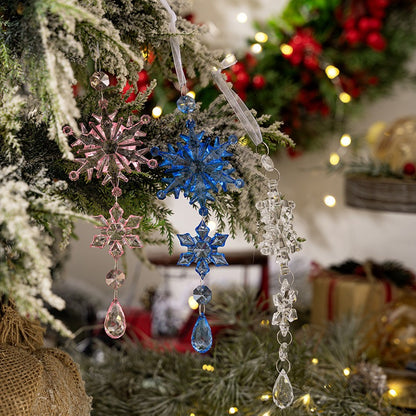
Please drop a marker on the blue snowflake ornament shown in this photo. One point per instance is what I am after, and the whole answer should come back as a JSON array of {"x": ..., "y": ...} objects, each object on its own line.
[
  {"x": 202, "y": 249},
  {"x": 197, "y": 168}
]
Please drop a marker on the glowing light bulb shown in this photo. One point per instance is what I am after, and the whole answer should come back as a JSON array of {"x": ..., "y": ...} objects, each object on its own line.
[
  {"x": 265, "y": 397},
  {"x": 330, "y": 201},
  {"x": 286, "y": 49},
  {"x": 306, "y": 399},
  {"x": 242, "y": 17},
  {"x": 193, "y": 304},
  {"x": 192, "y": 414},
  {"x": 331, "y": 71},
  {"x": 191, "y": 94},
  {"x": 232, "y": 410},
  {"x": 157, "y": 112},
  {"x": 344, "y": 97},
  {"x": 346, "y": 371},
  {"x": 314, "y": 361},
  {"x": 243, "y": 141},
  {"x": 345, "y": 140},
  {"x": 266, "y": 414},
  {"x": 261, "y": 37},
  {"x": 256, "y": 48},
  {"x": 393, "y": 393},
  {"x": 334, "y": 159}
]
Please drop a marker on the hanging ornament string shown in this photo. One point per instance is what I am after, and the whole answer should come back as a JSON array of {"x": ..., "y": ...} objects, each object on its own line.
[
  {"x": 280, "y": 240},
  {"x": 198, "y": 168},
  {"x": 176, "y": 51},
  {"x": 237, "y": 104},
  {"x": 111, "y": 149}
]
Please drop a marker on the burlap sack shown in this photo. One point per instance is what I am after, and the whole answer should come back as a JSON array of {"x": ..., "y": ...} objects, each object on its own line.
[{"x": 36, "y": 381}]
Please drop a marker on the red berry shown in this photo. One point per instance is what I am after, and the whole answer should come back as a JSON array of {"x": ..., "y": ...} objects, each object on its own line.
[
  {"x": 143, "y": 77},
  {"x": 311, "y": 62},
  {"x": 228, "y": 76},
  {"x": 238, "y": 67},
  {"x": 364, "y": 24},
  {"x": 349, "y": 23},
  {"x": 259, "y": 82},
  {"x": 243, "y": 79},
  {"x": 353, "y": 36},
  {"x": 376, "y": 41},
  {"x": 409, "y": 168},
  {"x": 126, "y": 87}
]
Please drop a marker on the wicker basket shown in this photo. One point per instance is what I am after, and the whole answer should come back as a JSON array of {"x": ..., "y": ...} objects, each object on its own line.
[{"x": 381, "y": 194}]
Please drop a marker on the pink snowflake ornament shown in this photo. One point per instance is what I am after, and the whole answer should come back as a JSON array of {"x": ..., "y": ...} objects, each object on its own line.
[
  {"x": 116, "y": 232},
  {"x": 110, "y": 148}
]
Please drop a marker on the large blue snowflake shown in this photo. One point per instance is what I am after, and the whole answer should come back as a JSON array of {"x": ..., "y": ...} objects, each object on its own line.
[
  {"x": 202, "y": 249},
  {"x": 198, "y": 168}
]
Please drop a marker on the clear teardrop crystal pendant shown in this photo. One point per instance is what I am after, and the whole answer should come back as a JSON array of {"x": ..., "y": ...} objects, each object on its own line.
[
  {"x": 201, "y": 335},
  {"x": 282, "y": 391},
  {"x": 115, "y": 321}
]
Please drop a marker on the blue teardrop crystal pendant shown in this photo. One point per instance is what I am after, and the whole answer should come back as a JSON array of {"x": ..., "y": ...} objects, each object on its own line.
[{"x": 201, "y": 335}]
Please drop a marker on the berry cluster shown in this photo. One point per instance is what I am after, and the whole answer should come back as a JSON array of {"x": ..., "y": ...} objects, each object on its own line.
[{"x": 363, "y": 24}]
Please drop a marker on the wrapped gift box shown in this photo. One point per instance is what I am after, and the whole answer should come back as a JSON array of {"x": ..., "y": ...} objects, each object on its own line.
[{"x": 337, "y": 296}]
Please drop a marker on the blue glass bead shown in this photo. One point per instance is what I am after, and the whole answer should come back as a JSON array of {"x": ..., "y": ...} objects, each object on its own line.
[
  {"x": 186, "y": 104},
  {"x": 202, "y": 294},
  {"x": 201, "y": 335},
  {"x": 161, "y": 195},
  {"x": 203, "y": 212}
]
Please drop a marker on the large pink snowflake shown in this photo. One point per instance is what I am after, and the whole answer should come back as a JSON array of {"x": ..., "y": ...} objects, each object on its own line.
[
  {"x": 109, "y": 147},
  {"x": 116, "y": 232}
]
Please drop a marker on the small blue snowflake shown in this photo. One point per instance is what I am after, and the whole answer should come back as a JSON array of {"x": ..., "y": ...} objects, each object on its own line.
[
  {"x": 198, "y": 168},
  {"x": 202, "y": 249}
]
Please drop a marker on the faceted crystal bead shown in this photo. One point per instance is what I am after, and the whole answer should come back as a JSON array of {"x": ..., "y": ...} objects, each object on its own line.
[
  {"x": 201, "y": 335},
  {"x": 267, "y": 163},
  {"x": 116, "y": 192},
  {"x": 186, "y": 104},
  {"x": 283, "y": 351},
  {"x": 115, "y": 321},
  {"x": 276, "y": 318},
  {"x": 115, "y": 278},
  {"x": 282, "y": 391},
  {"x": 99, "y": 80},
  {"x": 292, "y": 316},
  {"x": 202, "y": 294},
  {"x": 284, "y": 328}
]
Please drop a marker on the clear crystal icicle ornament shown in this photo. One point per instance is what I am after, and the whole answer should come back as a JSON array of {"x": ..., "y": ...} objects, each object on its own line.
[
  {"x": 280, "y": 240},
  {"x": 111, "y": 149}
]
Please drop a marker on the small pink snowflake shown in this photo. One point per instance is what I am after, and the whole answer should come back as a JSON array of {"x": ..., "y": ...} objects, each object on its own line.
[
  {"x": 109, "y": 148},
  {"x": 116, "y": 232}
]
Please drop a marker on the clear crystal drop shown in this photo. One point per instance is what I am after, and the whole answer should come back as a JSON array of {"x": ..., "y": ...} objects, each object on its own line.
[
  {"x": 115, "y": 278},
  {"x": 115, "y": 321},
  {"x": 201, "y": 335},
  {"x": 282, "y": 391},
  {"x": 99, "y": 80},
  {"x": 202, "y": 294}
]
